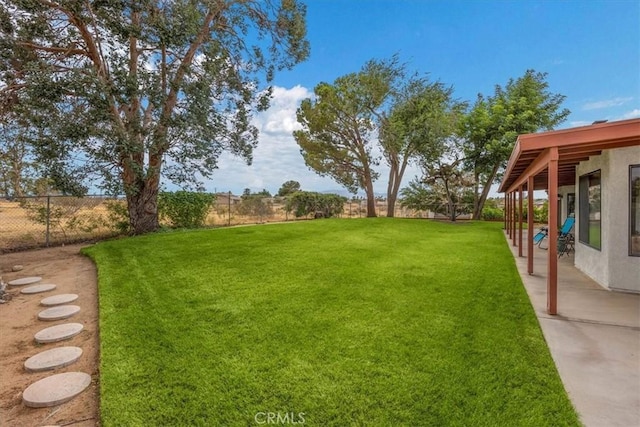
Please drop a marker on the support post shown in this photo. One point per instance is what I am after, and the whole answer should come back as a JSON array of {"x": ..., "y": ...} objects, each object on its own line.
[
  {"x": 552, "y": 270},
  {"x": 508, "y": 213},
  {"x": 520, "y": 221},
  {"x": 530, "y": 232},
  {"x": 229, "y": 206},
  {"x": 513, "y": 219}
]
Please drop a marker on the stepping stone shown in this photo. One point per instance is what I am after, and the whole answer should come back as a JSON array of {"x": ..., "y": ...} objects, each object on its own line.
[
  {"x": 59, "y": 299},
  {"x": 36, "y": 289},
  {"x": 59, "y": 312},
  {"x": 25, "y": 281},
  {"x": 58, "y": 333},
  {"x": 56, "y": 389},
  {"x": 58, "y": 357}
]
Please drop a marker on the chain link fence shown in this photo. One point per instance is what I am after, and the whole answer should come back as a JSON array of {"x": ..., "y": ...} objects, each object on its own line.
[
  {"x": 40, "y": 221},
  {"x": 28, "y": 222}
]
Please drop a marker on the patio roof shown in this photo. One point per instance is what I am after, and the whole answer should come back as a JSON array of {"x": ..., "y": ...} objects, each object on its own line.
[
  {"x": 548, "y": 160},
  {"x": 532, "y": 152}
]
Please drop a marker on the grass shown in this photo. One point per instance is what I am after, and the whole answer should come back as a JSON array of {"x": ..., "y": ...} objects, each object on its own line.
[{"x": 338, "y": 322}]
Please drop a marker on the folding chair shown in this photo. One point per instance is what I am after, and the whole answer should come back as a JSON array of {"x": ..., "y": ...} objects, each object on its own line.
[
  {"x": 565, "y": 238},
  {"x": 539, "y": 237}
]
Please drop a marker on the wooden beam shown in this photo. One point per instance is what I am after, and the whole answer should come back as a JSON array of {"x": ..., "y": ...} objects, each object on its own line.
[
  {"x": 552, "y": 262},
  {"x": 530, "y": 233},
  {"x": 513, "y": 218},
  {"x": 538, "y": 165},
  {"x": 520, "y": 222}
]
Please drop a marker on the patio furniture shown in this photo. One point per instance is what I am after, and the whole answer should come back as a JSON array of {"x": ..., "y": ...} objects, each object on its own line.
[{"x": 565, "y": 238}]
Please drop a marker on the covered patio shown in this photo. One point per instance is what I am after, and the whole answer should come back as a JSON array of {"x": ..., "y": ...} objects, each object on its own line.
[
  {"x": 547, "y": 161},
  {"x": 594, "y": 342}
]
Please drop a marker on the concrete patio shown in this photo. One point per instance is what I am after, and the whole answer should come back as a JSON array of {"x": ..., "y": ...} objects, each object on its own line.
[{"x": 594, "y": 340}]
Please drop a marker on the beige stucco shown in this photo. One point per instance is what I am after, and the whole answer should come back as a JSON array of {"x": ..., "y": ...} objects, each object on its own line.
[{"x": 611, "y": 266}]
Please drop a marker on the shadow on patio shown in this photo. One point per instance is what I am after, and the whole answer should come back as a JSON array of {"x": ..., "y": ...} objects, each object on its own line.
[{"x": 594, "y": 340}]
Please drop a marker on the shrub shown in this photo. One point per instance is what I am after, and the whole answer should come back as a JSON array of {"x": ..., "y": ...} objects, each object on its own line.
[
  {"x": 492, "y": 214},
  {"x": 541, "y": 214},
  {"x": 255, "y": 205},
  {"x": 118, "y": 216},
  {"x": 185, "y": 209},
  {"x": 303, "y": 203}
]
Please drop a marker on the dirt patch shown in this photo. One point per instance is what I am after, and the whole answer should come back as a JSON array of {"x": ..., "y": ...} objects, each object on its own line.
[{"x": 72, "y": 273}]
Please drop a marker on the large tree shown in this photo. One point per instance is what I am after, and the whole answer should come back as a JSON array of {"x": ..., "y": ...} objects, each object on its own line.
[
  {"x": 524, "y": 105},
  {"x": 136, "y": 89},
  {"x": 340, "y": 126},
  {"x": 422, "y": 116},
  {"x": 289, "y": 187}
]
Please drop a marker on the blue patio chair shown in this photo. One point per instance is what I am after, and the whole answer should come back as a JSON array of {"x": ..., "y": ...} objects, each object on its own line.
[
  {"x": 565, "y": 238},
  {"x": 539, "y": 237}
]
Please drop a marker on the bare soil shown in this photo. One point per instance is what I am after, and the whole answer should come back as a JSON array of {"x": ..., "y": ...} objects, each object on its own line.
[{"x": 72, "y": 273}]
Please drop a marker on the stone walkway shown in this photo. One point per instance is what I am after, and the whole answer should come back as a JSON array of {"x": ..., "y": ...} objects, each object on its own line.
[{"x": 57, "y": 388}]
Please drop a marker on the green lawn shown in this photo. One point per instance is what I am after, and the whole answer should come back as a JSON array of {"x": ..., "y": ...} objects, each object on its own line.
[{"x": 375, "y": 322}]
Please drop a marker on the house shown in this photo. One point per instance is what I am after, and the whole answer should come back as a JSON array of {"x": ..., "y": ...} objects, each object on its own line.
[{"x": 593, "y": 172}]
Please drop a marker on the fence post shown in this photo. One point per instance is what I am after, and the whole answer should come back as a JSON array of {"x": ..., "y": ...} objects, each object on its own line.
[
  {"x": 48, "y": 220},
  {"x": 229, "y": 215}
]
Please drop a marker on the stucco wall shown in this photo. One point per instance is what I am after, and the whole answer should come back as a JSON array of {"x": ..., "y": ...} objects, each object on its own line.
[
  {"x": 624, "y": 270},
  {"x": 591, "y": 261},
  {"x": 611, "y": 266}
]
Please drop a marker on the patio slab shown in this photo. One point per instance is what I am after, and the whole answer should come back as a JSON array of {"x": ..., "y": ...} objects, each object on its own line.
[{"x": 594, "y": 340}]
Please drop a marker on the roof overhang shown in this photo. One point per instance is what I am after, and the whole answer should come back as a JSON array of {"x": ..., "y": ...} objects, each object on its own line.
[{"x": 532, "y": 152}]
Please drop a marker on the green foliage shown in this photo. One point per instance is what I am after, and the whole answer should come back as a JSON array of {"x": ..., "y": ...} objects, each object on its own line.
[
  {"x": 490, "y": 129},
  {"x": 185, "y": 209},
  {"x": 339, "y": 126},
  {"x": 328, "y": 318},
  {"x": 422, "y": 119},
  {"x": 256, "y": 204},
  {"x": 433, "y": 196},
  {"x": 118, "y": 216},
  {"x": 289, "y": 187},
  {"x": 492, "y": 214},
  {"x": 137, "y": 91},
  {"x": 541, "y": 213},
  {"x": 304, "y": 203}
]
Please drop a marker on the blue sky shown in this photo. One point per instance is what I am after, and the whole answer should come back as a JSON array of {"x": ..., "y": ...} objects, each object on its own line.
[{"x": 590, "y": 50}]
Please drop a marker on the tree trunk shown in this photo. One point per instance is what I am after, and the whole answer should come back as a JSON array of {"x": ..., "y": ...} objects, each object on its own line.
[
  {"x": 395, "y": 179},
  {"x": 477, "y": 210},
  {"x": 142, "y": 204},
  {"x": 371, "y": 198},
  {"x": 391, "y": 199},
  {"x": 391, "y": 206},
  {"x": 452, "y": 207}
]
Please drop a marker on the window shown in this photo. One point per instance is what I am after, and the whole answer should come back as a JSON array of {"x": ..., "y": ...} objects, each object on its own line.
[
  {"x": 590, "y": 204},
  {"x": 571, "y": 204},
  {"x": 634, "y": 210}
]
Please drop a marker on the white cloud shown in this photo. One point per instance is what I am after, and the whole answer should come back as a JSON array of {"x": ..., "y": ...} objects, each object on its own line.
[
  {"x": 280, "y": 118},
  {"x": 607, "y": 103},
  {"x": 277, "y": 158},
  {"x": 631, "y": 114},
  {"x": 577, "y": 123}
]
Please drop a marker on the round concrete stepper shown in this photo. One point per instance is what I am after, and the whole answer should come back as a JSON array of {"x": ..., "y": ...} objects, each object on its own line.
[
  {"x": 58, "y": 333},
  {"x": 36, "y": 289},
  {"x": 59, "y": 312},
  {"x": 56, "y": 389},
  {"x": 25, "y": 281},
  {"x": 58, "y": 357},
  {"x": 59, "y": 299}
]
